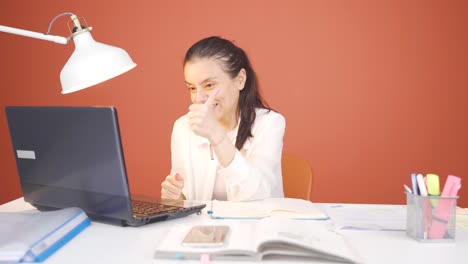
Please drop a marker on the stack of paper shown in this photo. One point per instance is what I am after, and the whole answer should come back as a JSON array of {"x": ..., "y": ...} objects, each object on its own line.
[
  {"x": 462, "y": 217},
  {"x": 34, "y": 236},
  {"x": 368, "y": 217}
]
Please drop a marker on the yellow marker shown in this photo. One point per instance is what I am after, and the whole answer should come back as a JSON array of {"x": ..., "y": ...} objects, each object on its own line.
[{"x": 433, "y": 187}]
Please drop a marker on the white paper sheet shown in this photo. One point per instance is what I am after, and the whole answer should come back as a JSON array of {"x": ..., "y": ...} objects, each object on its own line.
[{"x": 367, "y": 217}]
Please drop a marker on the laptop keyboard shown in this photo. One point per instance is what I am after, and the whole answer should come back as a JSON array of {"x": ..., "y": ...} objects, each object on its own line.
[{"x": 141, "y": 208}]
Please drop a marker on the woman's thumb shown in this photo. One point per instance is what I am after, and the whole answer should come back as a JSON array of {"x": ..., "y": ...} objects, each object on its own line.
[{"x": 179, "y": 177}]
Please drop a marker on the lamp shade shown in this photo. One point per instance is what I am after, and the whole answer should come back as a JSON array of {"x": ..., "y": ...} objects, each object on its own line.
[{"x": 91, "y": 63}]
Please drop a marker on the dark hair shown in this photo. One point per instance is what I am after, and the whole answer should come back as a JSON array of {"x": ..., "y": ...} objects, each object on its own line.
[{"x": 233, "y": 60}]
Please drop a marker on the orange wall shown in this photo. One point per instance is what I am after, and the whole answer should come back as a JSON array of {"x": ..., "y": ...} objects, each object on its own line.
[{"x": 371, "y": 90}]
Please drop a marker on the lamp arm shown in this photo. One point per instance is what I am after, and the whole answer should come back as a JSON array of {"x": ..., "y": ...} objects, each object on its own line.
[{"x": 32, "y": 34}]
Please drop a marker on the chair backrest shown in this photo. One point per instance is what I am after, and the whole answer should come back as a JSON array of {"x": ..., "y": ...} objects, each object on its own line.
[{"x": 297, "y": 177}]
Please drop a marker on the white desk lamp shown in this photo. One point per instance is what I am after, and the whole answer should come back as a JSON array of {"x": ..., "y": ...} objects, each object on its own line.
[{"x": 90, "y": 63}]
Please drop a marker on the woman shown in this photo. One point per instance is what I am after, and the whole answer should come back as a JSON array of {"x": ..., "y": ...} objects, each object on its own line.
[{"x": 229, "y": 145}]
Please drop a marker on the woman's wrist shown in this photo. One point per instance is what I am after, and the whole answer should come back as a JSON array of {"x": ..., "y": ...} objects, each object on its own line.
[
  {"x": 217, "y": 138},
  {"x": 215, "y": 141}
]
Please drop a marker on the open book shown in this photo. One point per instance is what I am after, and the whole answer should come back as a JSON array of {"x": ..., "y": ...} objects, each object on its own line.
[
  {"x": 33, "y": 236},
  {"x": 268, "y": 238},
  {"x": 283, "y": 207}
]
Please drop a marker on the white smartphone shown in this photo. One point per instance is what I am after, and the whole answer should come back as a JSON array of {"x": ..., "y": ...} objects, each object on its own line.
[{"x": 206, "y": 236}]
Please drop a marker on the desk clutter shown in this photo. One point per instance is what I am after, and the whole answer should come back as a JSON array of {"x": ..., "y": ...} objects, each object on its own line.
[
  {"x": 33, "y": 236},
  {"x": 431, "y": 214},
  {"x": 257, "y": 230},
  {"x": 104, "y": 243},
  {"x": 256, "y": 240}
]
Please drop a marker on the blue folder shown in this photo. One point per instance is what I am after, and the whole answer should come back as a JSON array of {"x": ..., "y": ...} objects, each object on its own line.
[{"x": 33, "y": 236}]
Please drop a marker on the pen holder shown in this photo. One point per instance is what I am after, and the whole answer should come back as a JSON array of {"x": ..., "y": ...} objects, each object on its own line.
[{"x": 431, "y": 218}]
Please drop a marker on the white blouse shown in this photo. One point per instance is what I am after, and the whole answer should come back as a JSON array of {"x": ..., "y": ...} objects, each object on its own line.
[{"x": 254, "y": 173}]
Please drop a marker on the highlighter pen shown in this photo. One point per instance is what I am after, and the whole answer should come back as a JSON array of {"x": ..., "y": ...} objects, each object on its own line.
[
  {"x": 426, "y": 206},
  {"x": 432, "y": 183},
  {"x": 417, "y": 202},
  {"x": 446, "y": 208},
  {"x": 407, "y": 189},
  {"x": 421, "y": 185},
  {"x": 414, "y": 184},
  {"x": 433, "y": 188}
]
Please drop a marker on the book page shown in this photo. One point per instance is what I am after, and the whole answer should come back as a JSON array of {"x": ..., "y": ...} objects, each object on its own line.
[
  {"x": 293, "y": 208},
  {"x": 312, "y": 239},
  {"x": 280, "y": 207},
  {"x": 226, "y": 209}
]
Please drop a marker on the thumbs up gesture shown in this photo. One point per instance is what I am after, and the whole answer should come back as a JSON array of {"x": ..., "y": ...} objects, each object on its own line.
[{"x": 201, "y": 118}]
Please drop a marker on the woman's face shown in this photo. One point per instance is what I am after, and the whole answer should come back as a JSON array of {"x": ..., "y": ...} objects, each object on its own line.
[{"x": 205, "y": 77}]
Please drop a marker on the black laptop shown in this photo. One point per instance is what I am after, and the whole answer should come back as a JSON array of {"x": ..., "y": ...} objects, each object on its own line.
[{"x": 72, "y": 156}]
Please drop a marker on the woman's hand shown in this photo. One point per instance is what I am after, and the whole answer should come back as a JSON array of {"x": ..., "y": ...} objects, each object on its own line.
[
  {"x": 171, "y": 188},
  {"x": 202, "y": 120}
]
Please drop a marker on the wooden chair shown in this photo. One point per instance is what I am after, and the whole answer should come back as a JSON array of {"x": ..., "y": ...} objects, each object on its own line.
[{"x": 297, "y": 177}]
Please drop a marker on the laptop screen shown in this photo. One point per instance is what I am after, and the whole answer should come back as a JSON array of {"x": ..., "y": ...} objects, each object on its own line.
[{"x": 70, "y": 156}]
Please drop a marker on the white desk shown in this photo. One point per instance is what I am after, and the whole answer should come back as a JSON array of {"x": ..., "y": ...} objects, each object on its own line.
[{"x": 103, "y": 243}]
